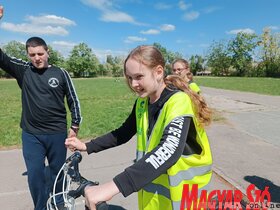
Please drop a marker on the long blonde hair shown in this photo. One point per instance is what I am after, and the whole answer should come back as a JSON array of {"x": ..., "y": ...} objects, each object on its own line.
[
  {"x": 201, "y": 110},
  {"x": 151, "y": 57}
]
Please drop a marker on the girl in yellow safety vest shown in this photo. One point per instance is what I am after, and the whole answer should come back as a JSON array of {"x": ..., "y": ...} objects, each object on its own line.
[{"x": 172, "y": 146}]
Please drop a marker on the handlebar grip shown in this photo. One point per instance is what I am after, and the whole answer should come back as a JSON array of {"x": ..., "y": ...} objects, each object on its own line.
[
  {"x": 100, "y": 206},
  {"x": 77, "y": 156}
]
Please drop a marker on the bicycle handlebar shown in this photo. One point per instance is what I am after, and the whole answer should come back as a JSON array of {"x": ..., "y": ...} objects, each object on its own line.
[{"x": 71, "y": 172}]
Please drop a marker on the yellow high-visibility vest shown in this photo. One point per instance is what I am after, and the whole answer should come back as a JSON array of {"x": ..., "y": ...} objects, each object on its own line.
[
  {"x": 165, "y": 192},
  {"x": 194, "y": 87}
]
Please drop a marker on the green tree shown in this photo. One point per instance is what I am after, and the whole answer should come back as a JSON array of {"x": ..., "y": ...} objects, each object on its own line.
[
  {"x": 110, "y": 59},
  {"x": 241, "y": 49},
  {"x": 168, "y": 56},
  {"x": 108, "y": 68},
  {"x": 56, "y": 58},
  {"x": 82, "y": 62},
  {"x": 102, "y": 71},
  {"x": 218, "y": 59},
  {"x": 14, "y": 49},
  {"x": 163, "y": 50},
  {"x": 269, "y": 53},
  {"x": 197, "y": 64},
  {"x": 114, "y": 65},
  {"x": 118, "y": 67}
]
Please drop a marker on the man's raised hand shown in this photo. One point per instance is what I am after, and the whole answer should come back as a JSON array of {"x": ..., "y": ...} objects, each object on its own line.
[{"x": 1, "y": 11}]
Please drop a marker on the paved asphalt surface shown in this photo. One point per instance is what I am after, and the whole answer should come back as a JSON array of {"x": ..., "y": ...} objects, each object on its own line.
[{"x": 245, "y": 144}]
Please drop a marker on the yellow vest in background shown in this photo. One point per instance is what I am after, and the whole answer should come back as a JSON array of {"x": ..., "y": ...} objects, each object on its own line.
[{"x": 194, "y": 87}]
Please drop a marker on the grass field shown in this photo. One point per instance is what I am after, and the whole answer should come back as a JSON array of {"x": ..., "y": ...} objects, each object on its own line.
[{"x": 105, "y": 103}]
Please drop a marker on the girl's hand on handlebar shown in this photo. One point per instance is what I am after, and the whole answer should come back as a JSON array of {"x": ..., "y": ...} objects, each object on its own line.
[
  {"x": 100, "y": 193},
  {"x": 73, "y": 143}
]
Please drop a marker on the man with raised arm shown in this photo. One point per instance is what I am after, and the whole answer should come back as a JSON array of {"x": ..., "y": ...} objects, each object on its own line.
[{"x": 43, "y": 121}]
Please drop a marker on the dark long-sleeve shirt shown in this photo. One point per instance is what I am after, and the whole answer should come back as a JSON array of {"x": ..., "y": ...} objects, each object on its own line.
[
  {"x": 43, "y": 92},
  {"x": 142, "y": 172}
]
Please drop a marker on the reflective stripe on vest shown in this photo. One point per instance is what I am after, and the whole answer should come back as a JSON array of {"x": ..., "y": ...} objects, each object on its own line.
[
  {"x": 159, "y": 189},
  {"x": 188, "y": 174}
]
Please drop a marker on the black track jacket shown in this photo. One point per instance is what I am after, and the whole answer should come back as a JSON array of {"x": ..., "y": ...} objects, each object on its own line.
[{"x": 42, "y": 93}]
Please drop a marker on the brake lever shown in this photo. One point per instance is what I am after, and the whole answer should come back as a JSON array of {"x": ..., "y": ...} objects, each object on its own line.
[
  {"x": 81, "y": 189},
  {"x": 73, "y": 167},
  {"x": 73, "y": 172}
]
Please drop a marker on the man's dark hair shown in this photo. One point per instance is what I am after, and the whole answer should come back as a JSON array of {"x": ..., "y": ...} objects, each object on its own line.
[{"x": 35, "y": 42}]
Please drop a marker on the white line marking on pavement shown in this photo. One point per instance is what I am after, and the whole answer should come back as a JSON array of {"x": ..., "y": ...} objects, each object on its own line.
[{"x": 20, "y": 192}]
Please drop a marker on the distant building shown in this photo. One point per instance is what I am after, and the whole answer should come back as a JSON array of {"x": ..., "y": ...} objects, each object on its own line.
[{"x": 203, "y": 73}]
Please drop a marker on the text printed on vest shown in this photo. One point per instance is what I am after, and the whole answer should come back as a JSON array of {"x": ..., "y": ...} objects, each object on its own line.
[{"x": 169, "y": 146}]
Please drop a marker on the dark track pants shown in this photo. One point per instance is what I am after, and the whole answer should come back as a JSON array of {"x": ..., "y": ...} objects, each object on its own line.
[{"x": 35, "y": 149}]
